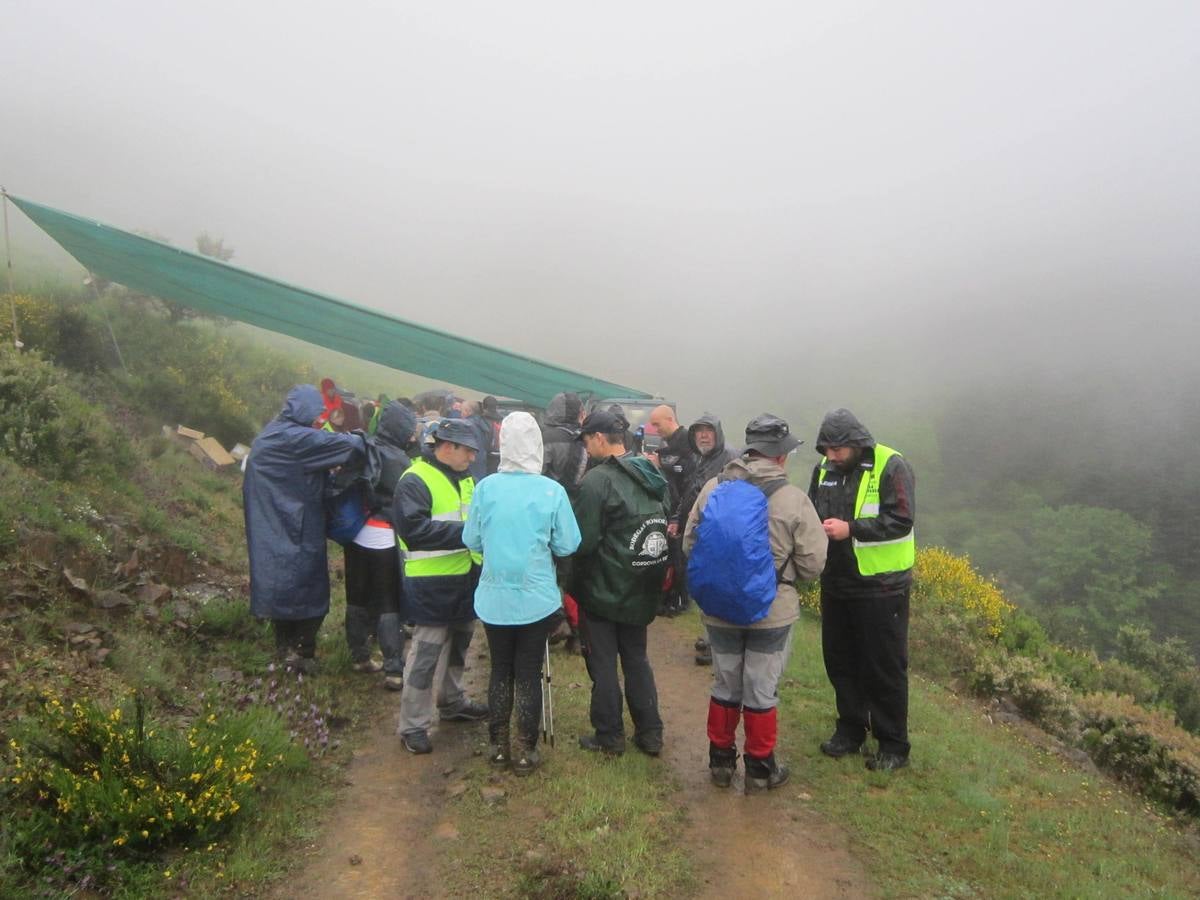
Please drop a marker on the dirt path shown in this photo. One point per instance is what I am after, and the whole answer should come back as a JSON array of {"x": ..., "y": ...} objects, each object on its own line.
[
  {"x": 383, "y": 837},
  {"x": 381, "y": 840},
  {"x": 761, "y": 846}
]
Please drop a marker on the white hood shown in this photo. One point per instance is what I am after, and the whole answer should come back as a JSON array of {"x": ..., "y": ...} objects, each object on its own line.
[{"x": 520, "y": 444}]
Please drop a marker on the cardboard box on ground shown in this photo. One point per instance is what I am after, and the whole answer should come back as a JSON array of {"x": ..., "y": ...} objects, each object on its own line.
[{"x": 207, "y": 450}]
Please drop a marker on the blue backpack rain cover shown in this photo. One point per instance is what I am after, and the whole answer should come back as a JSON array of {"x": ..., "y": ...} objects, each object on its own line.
[{"x": 731, "y": 571}]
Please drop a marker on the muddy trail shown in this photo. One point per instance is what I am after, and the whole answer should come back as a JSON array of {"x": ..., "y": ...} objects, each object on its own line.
[{"x": 383, "y": 838}]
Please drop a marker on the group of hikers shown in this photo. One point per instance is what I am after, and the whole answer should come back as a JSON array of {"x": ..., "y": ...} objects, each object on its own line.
[{"x": 572, "y": 531}]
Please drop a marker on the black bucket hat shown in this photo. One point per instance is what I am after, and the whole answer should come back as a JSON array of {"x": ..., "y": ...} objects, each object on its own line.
[
  {"x": 770, "y": 436},
  {"x": 457, "y": 431}
]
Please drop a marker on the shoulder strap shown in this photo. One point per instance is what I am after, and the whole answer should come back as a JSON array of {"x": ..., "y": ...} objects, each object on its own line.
[{"x": 769, "y": 488}]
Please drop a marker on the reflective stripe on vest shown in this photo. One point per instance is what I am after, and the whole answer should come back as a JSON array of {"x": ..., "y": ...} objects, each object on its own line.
[
  {"x": 878, "y": 557},
  {"x": 447, "y": 505}
]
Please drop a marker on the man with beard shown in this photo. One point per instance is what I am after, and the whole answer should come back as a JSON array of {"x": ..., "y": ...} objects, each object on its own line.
[
  {"x": 863, "y": 493},
  {"x": 707, "y": 441}
]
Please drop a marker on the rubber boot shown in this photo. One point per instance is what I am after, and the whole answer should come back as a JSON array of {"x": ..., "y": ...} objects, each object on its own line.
[
  {"x": 722, "y": 763},
  {"x": 500, "y": 753},
  {"x": 526, "y": 758},
  {"x": 764, "y": 773}
]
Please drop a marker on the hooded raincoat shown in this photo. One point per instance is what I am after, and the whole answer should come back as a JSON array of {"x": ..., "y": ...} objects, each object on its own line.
[
  {"x": 283, "y": 496},
  {"x": 834, "y": 498},
  {"x": 565, "y": 459},
  {"x": 519, "y": 520},
  {"x": 707, "y": 465}
]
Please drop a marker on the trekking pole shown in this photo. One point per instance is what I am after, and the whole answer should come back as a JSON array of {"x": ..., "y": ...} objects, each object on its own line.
[{"x": 547, "y": 703}]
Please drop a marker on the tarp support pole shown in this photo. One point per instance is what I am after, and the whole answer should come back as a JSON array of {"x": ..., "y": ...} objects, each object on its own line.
[{"x": 12, "y": 297}]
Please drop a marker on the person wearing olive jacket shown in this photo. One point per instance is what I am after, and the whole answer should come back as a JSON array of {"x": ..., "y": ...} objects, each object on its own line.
[
  {"x": 617, "y": 578},
  {"x": 863, "y": 492}
]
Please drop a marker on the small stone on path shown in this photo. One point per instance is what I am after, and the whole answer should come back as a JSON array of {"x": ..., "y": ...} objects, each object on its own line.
[
  {"x": 492, "y": 794},
  {"x": 457, "y": 789},
  {"x": 355, "y": 860},
  {"x": 446, "y": 831}
]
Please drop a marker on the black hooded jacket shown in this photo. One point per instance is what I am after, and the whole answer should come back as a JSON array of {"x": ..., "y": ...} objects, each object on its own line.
[
  {"x": 834, "y": 497},
  {"x": 707, "y": 466},
  {"x": 564, "y": 456},
  {"x": 677, "y": 461},
  {"x": 392, "y": 439}
]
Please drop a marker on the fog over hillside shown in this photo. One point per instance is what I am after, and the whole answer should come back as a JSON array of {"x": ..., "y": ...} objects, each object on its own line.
[{"x": 768, "y": 205}]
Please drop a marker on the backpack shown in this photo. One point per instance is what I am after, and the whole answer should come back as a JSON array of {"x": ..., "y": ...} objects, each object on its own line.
[
  {"x": 731, "y": 570},
  {"x": 347, "y": 496}
]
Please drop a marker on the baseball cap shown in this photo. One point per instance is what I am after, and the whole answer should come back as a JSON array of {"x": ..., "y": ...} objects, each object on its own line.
[
  {"x": 603, "y": 422},
  {"x": 770, "y": 436}
]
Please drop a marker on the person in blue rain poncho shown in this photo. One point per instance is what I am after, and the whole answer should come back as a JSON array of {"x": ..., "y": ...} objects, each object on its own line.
[
  {"x": 519, "y": 521},
  {"x": 283, "y": 494}
]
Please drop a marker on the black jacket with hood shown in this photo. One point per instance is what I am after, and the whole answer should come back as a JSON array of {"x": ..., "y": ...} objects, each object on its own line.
[
  {"x": 706, "y": 465},
  {"x": 677, "y": 461},
  {"x": 834, "y": 497},
  {"x": 393, "y": 438},
  {"x": 565, "y": 458}
]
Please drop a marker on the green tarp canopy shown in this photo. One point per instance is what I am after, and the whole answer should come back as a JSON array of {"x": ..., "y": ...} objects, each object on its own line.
[{"x": 217, "y": 288}]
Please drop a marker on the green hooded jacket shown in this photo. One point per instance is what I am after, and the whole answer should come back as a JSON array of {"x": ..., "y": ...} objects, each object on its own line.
[{"x": 622, "y": 513}]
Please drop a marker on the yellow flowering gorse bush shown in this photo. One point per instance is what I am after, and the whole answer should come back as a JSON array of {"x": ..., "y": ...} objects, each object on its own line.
[{"x": 93, "y": 775}]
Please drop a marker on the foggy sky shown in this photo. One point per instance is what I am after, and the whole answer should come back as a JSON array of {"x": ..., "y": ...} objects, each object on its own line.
[{"x": 741, "y": 206}]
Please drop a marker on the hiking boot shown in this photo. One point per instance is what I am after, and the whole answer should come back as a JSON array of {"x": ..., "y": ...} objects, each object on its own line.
[
  {"x": 393, "y": 682},
  {"x": 416, "y": 742},
  {"x": 764, "y": 774},
  {"x": 722, "y": 763},
  {"x": 470, "y": 711},
  {"x": 593, "y": 744},
  {"x": 839, "y": 746},
  {"x": 367, "y": 667},
  {"x": 650, "y": 744},
  {"x": 526, "y": 761},
  {"x": 886, "y": 762}
]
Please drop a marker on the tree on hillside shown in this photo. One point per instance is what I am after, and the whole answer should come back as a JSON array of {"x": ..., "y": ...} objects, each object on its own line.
[{"x": 1094, "y": 571}]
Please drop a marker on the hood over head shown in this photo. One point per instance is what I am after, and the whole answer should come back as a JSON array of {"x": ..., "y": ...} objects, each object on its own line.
[
  {"x": 520, "y": 444},
  {"x": 712, "y": 422},
  {"x": 564, "y": 409},
  {"x": 396, "y": 424},
  {"x": 303, "y": 405},
  {"x": 841, "y": 428}
]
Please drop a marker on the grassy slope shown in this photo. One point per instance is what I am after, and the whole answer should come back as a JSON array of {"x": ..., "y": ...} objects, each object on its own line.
[
  {"x": 982, "y": 811},
  {"x": 176, "y": 513}
]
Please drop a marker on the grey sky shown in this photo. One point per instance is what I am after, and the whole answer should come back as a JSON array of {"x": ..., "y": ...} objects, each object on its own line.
[{"x": 693, "y": 198}]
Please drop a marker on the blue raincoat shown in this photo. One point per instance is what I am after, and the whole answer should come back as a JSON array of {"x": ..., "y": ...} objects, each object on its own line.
[
  {"x": 518, "y": 519},
  {"x": 283, "y": 496}
]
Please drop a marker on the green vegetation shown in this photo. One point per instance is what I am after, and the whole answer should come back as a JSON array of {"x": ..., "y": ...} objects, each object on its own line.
[
  {"x": 584, "y": 826},
  {"x": 137, "y": 693},
  {"x": 983, "y": 810}
]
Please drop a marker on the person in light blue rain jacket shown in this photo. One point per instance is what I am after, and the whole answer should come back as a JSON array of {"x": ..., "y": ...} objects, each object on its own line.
[{"x": 519, "y": 521}]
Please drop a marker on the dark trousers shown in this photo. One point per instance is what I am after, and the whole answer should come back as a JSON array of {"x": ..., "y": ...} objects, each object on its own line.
[
  {"x": 517, "y": 652},
  {"x": 298, "y": 636},
  {"x": 373, "y": 605},
  {"x": 865, "y": 644},
  {"x": 603, "y": 642}
]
